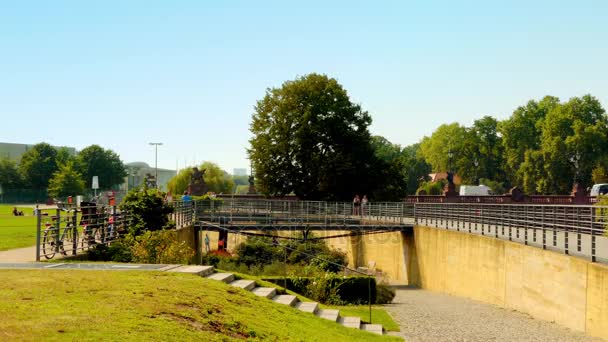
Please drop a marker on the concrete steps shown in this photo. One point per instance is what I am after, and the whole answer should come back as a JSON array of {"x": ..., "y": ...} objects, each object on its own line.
[
  {"x": 310, "y": 307},
  {"x": 244, "y": 284},
  {"x": 202, "y": 271},
  {"x": 373, "y": 328},
  {"x": 225, "y": 277},
  {"x": 329, "y": 314},
  {"x": 271, "y": 293},
  {"x": 350, "y": 322},
  {"x": 288, "y": 300},
  {"x": 268, "y": 292}
]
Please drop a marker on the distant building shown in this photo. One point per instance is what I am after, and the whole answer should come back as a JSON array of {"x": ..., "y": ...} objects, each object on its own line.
[
  {"x": 137, "y": 173},
  {"x": 239, "y": 172},
  {"x": 15, "y": 151}
]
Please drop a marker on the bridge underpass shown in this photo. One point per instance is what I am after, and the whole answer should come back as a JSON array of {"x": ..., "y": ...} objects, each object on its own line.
[
  {"x": 274, "y": 218},
  {"x": 536, "y": 259}
]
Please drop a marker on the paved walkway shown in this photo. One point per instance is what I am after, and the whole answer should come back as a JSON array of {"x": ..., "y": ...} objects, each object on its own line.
[
  {"x": 26, "y": 254},
  {"x": 430, "y": 316}
]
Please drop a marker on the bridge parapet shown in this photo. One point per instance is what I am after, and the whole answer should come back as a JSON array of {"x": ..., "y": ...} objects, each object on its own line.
[{"x": 504, "y": 199}]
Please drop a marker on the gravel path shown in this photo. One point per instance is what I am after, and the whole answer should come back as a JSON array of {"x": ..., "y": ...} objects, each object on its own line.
[{"x": 430, "y": 316}]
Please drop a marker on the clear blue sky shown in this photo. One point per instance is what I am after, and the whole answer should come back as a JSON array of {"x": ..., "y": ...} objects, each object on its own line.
[{"x": 188, "y": 73}]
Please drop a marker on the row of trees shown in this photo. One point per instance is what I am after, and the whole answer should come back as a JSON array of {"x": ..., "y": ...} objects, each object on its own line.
[
  {"x": 543, "y": 147},
  {"x": 56, "y": 169},
  {"x": 311, "y": 140}
]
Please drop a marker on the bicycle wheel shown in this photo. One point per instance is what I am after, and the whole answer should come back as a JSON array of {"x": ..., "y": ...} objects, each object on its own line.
[
  {"x": 69, "y": 239},
  {"x": 48, "y": 243}
]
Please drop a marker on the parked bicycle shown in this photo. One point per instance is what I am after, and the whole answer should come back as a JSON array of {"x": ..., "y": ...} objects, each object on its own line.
[
  {"x": 56, "y": 239},
  {"x": 92, "y": 225}
]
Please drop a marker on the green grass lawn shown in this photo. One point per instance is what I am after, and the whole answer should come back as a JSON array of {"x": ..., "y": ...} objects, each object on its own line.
[
  {"x": 87, "y": 305},
  {"x": 16, "y": 231},
  {"x": 379, "y": 315}
]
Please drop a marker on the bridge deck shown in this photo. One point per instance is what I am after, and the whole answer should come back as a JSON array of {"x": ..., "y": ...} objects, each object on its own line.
[{"x": 253, "y": 226}]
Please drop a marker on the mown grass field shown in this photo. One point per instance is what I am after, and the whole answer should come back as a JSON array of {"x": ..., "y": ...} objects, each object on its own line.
[
  {"x": 16, "y": 231},
  {"x": 89, "y": 305}
]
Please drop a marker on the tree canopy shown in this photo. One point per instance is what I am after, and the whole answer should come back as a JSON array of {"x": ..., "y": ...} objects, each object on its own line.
[
  {"x": 106, "y": 164},
  {"x": 311, "y": 140},
  {"x": 10, "y": 178},
  {"x": 66, "y": 182},
  {"x": 38, "y": 164},
  {"x": 218, "y": 180}
]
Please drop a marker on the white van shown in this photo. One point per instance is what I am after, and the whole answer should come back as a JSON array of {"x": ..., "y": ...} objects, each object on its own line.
[
  {"x": 474, "y": 190},
  {"x": 599, "y": 189}
]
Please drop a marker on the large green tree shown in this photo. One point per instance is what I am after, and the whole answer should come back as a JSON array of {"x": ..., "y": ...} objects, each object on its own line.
[
  {"x": 106, "y": 164},
  {"x": 66, "y": 182},
  {"x": 446, "y": 138},
  {"x": 480, "y": 155},
  {"x": 10, "y": 178},
  {"x": 574, "y": 139},
  {"x": 218, "y": 180},
  {"x": 521, "y": 136},
  {"x": 416, "y": 169},
  {"x": 38, "y": 165},
  {"x": 311, "y": 140}
]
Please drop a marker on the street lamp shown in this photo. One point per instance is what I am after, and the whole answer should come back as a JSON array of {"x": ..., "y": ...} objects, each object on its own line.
[
  {"x": 476, "y": 163},
  {"x": 450, "y": 155},
  {"x": 156, "y": 162}
]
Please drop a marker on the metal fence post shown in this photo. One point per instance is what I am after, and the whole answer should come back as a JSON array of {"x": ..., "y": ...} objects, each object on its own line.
[
  {"x": 38, "y": 224},
  {"x": 57, "y": 227},
  {"x": 593, "y": 234},
  {"x": 543, "y": 227},
  {"x": 74, "y": 232}
]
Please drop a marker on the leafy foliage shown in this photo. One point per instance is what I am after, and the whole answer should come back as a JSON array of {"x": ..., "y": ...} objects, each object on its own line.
[
  {"x": 218, "y": 180},
  {"x": 311, "y": 140},
  {"x": 106, "y": 164},
  {"x": 161, "y": 247},
  {"x": 148, "y": 209},
  {"x": 66, "y": 182},
  {"x": 10, "y": 178},
  {"x": 38, "y": 165}
]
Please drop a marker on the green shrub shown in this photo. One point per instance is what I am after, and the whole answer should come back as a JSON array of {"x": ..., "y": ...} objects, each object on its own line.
[
  {"x": 161, "y": 247},
  {"x": 332, "y": 289},
  {"x": 148, "y": 210},
  {"x": 330, "y": 261},
  {"x": 431, "y": 188},
  {"x": 384, "y": 294},
  {"x": 258, "y": 251}
]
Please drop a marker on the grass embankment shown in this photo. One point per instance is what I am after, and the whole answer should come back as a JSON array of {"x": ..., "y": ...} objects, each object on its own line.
[
  {"x": 379, "y": 315},
  {"x": 153, "y": 306},
  {"x": 16, "y": 231}
]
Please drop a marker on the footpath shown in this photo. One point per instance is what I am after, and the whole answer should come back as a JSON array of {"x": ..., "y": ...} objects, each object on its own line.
[{"x": 25, "y": 254}]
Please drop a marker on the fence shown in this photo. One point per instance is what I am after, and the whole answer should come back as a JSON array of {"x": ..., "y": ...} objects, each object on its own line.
[
  {"x": 70, "y": 229},
  {"x": 546, "y": 226},
  {"x": 301, "y": 212}
]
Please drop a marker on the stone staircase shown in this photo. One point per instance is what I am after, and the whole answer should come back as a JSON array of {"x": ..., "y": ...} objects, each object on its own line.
[{"x": 271, "y": 293}]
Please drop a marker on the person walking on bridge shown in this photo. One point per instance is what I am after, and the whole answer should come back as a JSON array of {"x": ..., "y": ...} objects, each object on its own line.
[
  {"x": 356, "y": 205},
  {"x": 364, "y": 201}
]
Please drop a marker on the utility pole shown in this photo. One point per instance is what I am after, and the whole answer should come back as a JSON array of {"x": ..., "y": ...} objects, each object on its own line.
[{"x": 156, "y": 162}]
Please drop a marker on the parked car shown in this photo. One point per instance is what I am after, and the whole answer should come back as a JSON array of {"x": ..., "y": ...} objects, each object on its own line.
[{"x": 599, "y": 189}]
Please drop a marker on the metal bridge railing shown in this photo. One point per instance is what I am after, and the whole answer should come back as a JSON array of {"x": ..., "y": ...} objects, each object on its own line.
[
  {"x": 571, "y": 229},
  {"x": 298, "y": 212}
]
